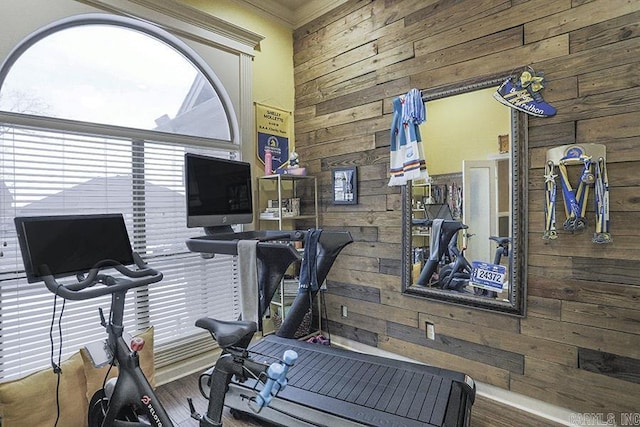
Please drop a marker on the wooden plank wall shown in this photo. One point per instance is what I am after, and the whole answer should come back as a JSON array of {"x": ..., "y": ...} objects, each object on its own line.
[{"x": 579, "y": 345}]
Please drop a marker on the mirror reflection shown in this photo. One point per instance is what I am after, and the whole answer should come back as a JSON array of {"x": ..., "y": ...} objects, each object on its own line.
[{"x": 460, "y": 239}]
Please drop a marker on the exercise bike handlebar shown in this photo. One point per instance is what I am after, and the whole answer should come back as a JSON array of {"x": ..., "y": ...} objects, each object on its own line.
[{"x": 83, "y": 289}]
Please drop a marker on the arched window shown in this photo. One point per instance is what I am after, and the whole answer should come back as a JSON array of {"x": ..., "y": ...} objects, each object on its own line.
[
  {"x": 102, "y": 110},
  {"x": 114, "y": 71}
]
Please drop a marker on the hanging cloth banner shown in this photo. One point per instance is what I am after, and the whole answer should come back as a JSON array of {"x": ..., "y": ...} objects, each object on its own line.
[
  {"x": 407, "y": 158},
  {"x": 575, "y": 200},
  {"x": 273, "y": 128}
]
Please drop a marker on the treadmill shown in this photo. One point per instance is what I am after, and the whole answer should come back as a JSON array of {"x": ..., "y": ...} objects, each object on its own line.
[{"x": 329, "y": 386}]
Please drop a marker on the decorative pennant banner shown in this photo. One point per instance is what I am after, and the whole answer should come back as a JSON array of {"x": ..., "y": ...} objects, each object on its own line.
[{"x": 272, "y": 125}]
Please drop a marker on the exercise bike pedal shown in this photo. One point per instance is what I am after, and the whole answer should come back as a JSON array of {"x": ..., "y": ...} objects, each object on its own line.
[{"x": 192, "y": 410}]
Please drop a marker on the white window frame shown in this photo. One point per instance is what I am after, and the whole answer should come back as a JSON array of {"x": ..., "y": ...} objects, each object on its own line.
[{"x": 180, "y": 21}]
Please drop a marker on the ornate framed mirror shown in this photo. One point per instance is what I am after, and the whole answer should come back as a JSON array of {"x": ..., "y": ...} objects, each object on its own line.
[{"x": 471, "y": 214}]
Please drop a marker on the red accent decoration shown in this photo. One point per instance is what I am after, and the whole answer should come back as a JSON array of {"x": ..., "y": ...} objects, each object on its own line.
[{"x": 137, "y": 344}]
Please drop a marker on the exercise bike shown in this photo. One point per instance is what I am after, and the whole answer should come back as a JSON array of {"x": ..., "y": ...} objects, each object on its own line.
[
  {"x": 129, "y": 400},
  {"x": 447, "y": 267}
]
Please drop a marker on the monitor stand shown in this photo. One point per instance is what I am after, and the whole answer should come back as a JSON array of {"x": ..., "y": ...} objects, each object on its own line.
[
  {"x": 225, "y": 232},
  {"x": 217, "y": 229}
]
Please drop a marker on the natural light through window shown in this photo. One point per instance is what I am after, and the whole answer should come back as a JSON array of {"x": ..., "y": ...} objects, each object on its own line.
[
  {"x": 89, "y": 98},
  {"x": 117, "y": 76}
]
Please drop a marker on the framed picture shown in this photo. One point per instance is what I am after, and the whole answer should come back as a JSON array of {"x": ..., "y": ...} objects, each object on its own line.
[
  {"x": 345, "y": 185},
  {"x": 503, "y": 143}
]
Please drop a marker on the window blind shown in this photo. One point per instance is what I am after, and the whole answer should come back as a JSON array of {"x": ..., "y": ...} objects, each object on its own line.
[{"x": 46, "y": 172}]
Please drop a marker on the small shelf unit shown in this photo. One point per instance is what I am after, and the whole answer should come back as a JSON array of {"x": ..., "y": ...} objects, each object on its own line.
[{"x": 287, "y": 202}]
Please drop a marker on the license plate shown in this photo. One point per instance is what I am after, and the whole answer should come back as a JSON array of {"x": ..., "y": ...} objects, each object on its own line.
[{"x": 488, "y": 276}]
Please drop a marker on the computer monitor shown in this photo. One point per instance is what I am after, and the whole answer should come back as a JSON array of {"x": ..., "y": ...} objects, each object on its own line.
[
  {"x": 66, "y": 245},
  {"x": 218, "y": 192}
]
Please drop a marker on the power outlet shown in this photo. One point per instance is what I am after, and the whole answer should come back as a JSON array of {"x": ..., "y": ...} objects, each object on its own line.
[
  {"x": 345, "y": 312},
  {"x": 431, "y": 330}
]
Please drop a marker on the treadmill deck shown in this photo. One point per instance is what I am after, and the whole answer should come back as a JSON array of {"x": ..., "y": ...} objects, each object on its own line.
[{"x": 369, "y": 390}]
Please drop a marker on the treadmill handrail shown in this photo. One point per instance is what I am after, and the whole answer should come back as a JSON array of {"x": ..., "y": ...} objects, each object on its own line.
[{"x": 273, "y": 260}]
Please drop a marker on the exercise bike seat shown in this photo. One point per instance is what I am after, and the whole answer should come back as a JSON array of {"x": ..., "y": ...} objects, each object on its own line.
[
  {"x": 229, "y": 334},
  {"x": 500, "y": 240}
]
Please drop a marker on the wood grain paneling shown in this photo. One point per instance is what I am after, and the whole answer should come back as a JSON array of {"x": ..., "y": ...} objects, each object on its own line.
[
  {"x": 502, "y": 61},
  {"x": 606, "y": 32},
  {"x": 478, "y": 370},
  {"x": 624, "y": 368},
  {"x": 580, "y": 339},
  {"x": 359, "y": 292},
  {"x": 577, "y": 18},
  {"x": 493, "y": 356},
  {"x": 490, "y": 413},
  {"x": 593, "y": 391},
  {"x": 359, "y": 310},
  {"x": 354, "y": 333},
  {"x": 601, "y": 316},
  {"x": 495, "y": 337},
  {"x": 622, "y": 343}
]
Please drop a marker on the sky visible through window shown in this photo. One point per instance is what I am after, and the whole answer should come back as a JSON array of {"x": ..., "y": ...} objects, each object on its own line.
[
  {"x": 112, "y": 75},
  {"x": 106, "y": 74}
]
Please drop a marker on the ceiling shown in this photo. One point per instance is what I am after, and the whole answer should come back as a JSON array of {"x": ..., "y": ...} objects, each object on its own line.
[{"x": 293, "y": 13}]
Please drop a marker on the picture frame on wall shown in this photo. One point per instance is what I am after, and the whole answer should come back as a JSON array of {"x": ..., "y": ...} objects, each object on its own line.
[{"x": 345, "y": 185}]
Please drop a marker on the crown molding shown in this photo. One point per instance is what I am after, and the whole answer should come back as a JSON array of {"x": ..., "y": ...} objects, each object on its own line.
[
  {"x": 270, "y": 9},
  {"x": 293, "y": 18},
  {"x": 314, "y": 9},
  {"x": 186, "y": 20}
]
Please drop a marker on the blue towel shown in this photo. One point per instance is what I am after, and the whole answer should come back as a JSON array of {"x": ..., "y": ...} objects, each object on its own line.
[{"x": 309, "y": 267}]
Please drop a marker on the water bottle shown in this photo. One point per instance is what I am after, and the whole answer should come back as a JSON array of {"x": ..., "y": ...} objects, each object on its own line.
[{"x": 268, "y": 159}]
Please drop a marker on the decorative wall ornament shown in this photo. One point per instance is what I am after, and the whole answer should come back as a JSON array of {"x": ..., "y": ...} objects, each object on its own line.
[
  {"x": 592, "y": 158},
  {"x": 523, "y": 93},
  {"x": 345, "y": 185}
]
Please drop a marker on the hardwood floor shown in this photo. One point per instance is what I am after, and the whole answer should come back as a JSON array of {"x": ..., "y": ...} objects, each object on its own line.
[{"x": 174, "y": 398}]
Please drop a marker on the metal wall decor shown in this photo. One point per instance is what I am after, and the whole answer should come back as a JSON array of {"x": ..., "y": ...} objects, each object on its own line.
[{"x": 345, "y": 185}]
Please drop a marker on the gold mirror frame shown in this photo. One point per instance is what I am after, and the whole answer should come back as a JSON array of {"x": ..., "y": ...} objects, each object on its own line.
[{"x": 516, "y": 304}]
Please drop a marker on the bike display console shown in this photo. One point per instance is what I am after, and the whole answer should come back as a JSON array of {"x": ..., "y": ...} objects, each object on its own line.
[{"x": 333, "y": 386}]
